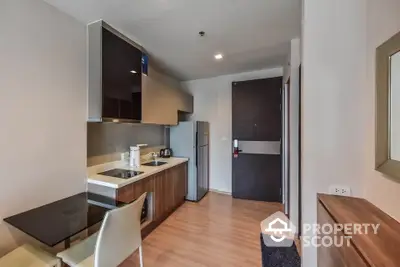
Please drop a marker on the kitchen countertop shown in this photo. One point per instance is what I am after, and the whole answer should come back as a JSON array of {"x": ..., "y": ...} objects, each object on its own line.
[{"x": 112, "y": 182}]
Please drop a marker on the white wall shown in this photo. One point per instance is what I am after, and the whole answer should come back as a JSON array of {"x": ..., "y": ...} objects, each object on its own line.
[
  {"x": 334, "y": 106},
  {"x": 338, "y": 107},
  {"x": 43, "y": 107},
  {"x": 213, "y": 103}
]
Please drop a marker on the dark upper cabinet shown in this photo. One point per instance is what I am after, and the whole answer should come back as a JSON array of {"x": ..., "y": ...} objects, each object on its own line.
[
  {"x": 121, "y": 78},
  {"x": 118, "y": 90}
]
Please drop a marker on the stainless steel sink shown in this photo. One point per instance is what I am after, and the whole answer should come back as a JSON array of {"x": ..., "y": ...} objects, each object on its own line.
[{"x": 154, "y": 163}]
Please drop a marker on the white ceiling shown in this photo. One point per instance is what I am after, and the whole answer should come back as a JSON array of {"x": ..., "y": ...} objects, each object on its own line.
[{"x": 252, "y": 34}]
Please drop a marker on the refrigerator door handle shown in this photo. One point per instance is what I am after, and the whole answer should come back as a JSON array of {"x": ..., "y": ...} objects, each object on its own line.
[{"x": 197, "y": 147}]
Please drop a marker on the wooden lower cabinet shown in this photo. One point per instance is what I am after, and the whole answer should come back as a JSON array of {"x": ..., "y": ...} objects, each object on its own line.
[
  {"x": 176, "y": 178},
  {"x": 341, "y": 256},
  {"x": 167, "y": 188},
  {"x": 367, "y": 247},
  {"x": 163, "y": 198}
]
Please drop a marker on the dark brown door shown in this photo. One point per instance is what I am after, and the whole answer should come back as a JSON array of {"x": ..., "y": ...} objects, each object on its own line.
[{"x": 257, "y": 131}]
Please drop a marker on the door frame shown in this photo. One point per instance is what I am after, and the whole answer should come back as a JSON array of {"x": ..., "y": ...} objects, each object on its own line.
[
  {"x": 299, "y": 194},
  {"x": 286, "y": 147}
]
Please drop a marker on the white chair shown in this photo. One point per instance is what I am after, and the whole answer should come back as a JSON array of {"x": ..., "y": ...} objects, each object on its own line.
[
  {"x": 29, "y": 256},
  {"x": 119, "y": 236}
]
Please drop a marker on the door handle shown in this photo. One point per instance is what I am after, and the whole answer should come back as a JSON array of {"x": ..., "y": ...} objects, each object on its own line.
[
  {"x": 197, "y": 147},
  {"x": 236, "y": 149},
  {"x": 236, "y": 145},
  {"x": 258, "y": 147}
]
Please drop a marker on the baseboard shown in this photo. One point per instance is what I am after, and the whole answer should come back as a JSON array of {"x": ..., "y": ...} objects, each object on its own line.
[{"x": 220, "y": 192}]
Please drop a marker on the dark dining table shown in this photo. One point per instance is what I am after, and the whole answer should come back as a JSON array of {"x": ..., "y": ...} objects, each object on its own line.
[{"x": 58, "y": 221}]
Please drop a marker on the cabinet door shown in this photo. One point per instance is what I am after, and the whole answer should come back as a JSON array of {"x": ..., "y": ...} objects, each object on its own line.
[
  {"x": 184, "y": 101},
  {"x": 121, "y": 72},
  {"x": 176, "y": 188},
  {"x": 125, "y": 194},
  {"x": 344, "y": 256},
  {"x": 158, "y": 196},
  {"x": 161, "y": 195},
  {"x": 177, "y": 179},
  {"x": 185, "y": 170},
  {"x": 142, "y": 186},
  {"x": 159, "y": 105},
  {"x": 181, "y": 184},
  {"x": 170, "y": 186},
  {"x": 131, "y": 192}
]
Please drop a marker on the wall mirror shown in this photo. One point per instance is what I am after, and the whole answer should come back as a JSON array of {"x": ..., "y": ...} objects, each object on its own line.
[{"x": 387, "y": 157}]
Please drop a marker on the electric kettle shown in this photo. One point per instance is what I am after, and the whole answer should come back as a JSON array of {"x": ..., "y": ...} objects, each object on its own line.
[{"x": 166, "y": 153}]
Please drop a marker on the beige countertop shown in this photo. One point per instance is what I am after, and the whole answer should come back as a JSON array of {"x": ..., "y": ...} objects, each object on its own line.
[{"x": 112, "y": 182}]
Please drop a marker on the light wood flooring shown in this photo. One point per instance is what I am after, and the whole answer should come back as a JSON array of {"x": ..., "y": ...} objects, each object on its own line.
[{"x": 216, "y": 232}]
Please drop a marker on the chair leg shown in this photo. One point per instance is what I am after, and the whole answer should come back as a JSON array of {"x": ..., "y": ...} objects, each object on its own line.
[{"x": 141, "y": 256}]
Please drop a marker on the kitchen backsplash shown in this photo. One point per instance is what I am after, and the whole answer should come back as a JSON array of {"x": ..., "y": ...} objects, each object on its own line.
[{"x": 106, "y": 141}]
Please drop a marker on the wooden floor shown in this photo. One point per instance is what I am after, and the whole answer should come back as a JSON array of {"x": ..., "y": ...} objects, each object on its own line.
[{"x": 217, "y": 231}]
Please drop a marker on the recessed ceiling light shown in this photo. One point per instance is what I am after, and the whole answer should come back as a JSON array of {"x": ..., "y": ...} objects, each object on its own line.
[
  {"x": 218, "y": 56},
  {"x": 133, "y": 71}
]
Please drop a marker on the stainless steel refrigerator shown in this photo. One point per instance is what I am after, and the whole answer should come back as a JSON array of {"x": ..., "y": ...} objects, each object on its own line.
[{"x": 190, "y": 139}]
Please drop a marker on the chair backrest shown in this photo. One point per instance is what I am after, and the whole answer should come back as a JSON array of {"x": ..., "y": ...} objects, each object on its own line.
[{"x": 120, "y": 234}]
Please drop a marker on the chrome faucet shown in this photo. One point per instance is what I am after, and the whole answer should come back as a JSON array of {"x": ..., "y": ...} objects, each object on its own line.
[{"x": 155, "y": 156}]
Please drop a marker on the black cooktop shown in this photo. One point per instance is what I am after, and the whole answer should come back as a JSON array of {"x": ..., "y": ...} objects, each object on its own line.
[{"x": 121, "y": 173}]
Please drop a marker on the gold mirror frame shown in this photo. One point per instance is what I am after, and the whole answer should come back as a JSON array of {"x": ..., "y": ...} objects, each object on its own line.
[{"x": 383, "y": 162}]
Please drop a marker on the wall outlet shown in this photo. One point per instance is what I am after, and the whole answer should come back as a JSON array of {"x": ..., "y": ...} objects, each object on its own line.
[{"x": 340, "y": 190}]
